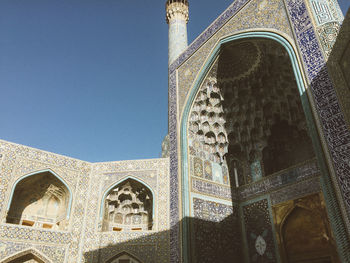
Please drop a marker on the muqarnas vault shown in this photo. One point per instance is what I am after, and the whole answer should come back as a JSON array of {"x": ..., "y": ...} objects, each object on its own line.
[{"x": 255, "y": 167}]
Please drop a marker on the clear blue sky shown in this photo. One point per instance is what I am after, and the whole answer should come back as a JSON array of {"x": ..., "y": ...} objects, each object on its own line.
[
  {"x": 88, "y": 78},
  {"x": 344, "y": 5}
]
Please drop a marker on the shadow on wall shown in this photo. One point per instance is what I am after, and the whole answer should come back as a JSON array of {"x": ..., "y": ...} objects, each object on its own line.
[
  {"x": 335, "y": 122},
  {"x": 249, "y": 118},
  {"x": 338, "y": 65},
  {"x": 216, "y": 240},
  {"x": 223, "y": 241},
  {"x": 142, "y": 250}
]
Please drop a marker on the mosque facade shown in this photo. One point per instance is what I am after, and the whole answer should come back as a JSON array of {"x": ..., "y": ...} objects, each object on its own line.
[{"x": 255, "y": 168}]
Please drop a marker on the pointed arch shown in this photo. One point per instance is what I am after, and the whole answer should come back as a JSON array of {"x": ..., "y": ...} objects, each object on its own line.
[
  {"x": 184, "y": 117},
  {"x": 38, "y": 172},
  {"x": 304, "y": 236},
  {"x": 123, "y": 254},
  {"x": 30, "y": 253},
  {"x": 291, "y": 210},
  {"x": 201, "y": 77},
  {"x": 119, "y": 182},
  {"x": 132, "y": 206},
  {"x": 55, "y": 191}
]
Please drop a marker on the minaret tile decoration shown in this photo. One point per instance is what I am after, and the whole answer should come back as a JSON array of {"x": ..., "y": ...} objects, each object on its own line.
[
  {"x": 327, "y": 19},
  {"x": 177, "y": 18}
]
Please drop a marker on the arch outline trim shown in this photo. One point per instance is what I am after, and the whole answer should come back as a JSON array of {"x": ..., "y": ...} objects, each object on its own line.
[
  {"x": 121, "y": 254},
  {"x": 27, "y": 251}
]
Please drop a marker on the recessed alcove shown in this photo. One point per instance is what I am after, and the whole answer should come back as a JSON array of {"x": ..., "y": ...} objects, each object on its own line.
[
  {"x": 303, "y": 231},
  {"x": 40, "y": 200},
  {"x": 245, "y": 128},
  {"x": 247, "y": 117},
  {"x": 128, "y": 206}
]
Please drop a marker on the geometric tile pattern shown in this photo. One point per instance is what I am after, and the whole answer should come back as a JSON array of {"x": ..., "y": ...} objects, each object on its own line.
[
  {"x": 216, "y": 232},
  {"x": 211, "y": 189},
  {"x": 297, "y": 190},
  {"x": 333, "y": 124},
  {"x": 83, "y": 241},
  {"x": 241, "y": 15},
  {"x": 154, "y": 243},
  {"x": 16, "y": 249},
  {"x": 339, "y": 67},
  {"x": 19, "y": 160},
  {"x": 271, "y": 183},
  {"x": 210, "y": 211},
  {"x": 327, "y": 19},
  {"x": 245, "y": 15},
  {"x": 258, "y": 231}
]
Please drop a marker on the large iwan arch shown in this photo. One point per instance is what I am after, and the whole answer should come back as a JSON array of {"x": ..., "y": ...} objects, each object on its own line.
[{"x": 230, "y": 114}]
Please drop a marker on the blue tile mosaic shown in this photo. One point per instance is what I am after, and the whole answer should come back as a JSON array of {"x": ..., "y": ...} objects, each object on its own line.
[{"x": 333, "y": 122}]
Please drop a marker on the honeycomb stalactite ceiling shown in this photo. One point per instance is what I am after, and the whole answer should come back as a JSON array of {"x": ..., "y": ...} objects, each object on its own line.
[
  {"x": 249, "y": 89},
  {"x": 128, "y": 206},
  {"x": 242, "y": 63}
]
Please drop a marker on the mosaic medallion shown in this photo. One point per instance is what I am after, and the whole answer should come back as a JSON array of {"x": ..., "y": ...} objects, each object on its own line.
[
  {"x": 259, "y": 231},
  {"x": 260, "y": 245}
]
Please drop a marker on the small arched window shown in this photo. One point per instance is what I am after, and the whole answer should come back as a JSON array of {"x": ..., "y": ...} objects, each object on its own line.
[
  {"x": 128, "y": 207},
  {"x": 40, "y": 200}
]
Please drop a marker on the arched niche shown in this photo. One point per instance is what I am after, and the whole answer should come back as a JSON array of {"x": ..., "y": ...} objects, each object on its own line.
[
  {"x": 40, "y": 200},
  {"x": 27, "y": 256},
  {"x": 123, "y": 258},
  {"x": 305, "y": 237},
  {"x": 247, "y": 120},
  {"x": 128, "y": 206},
  {"x": 303, "y": 232},
  {"x": 250, "y": 83}
]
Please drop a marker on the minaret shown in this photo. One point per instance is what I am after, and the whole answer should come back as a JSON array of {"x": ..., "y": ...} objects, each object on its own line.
[{"x": 177, "y": 17}]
